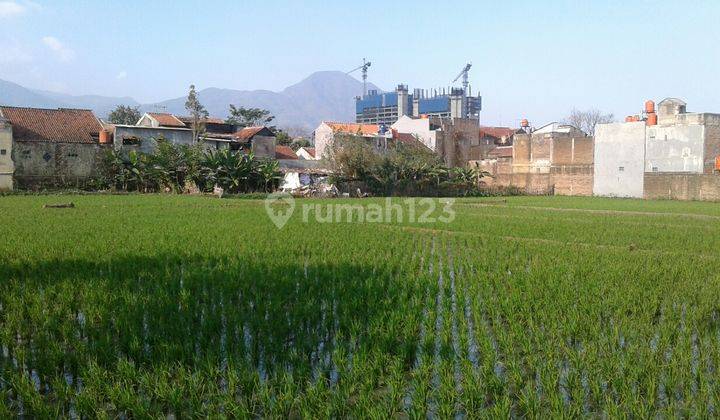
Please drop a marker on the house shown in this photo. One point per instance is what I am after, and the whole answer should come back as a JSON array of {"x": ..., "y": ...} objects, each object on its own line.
[
  {"x": 144, "y": 138},
  {"x": 453, "y": 139},
  {"x": 259, "y": 140},
  {"x": 155, "y": 120},
  {"x": 7, "y": 167},
  {"x": 306, "y": 153},
  {"x": 421, "y": 128},
  {"x": 54, "y": 146},
  {"x": 662, "y": 153},
  {"x": 556, "y": 158},
  {"x": 327, "y": 131},
  {"x": 217, "y": 134},
  {"x": 492, "y": 137}
]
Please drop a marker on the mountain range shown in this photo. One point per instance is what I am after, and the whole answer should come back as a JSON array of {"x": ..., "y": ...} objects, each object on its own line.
[{"x": 322, "y": 96}]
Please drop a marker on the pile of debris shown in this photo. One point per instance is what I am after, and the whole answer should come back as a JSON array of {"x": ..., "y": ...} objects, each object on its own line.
[
  {"x": 309, "y": 185},
  {"x": 316, "y": 190}
]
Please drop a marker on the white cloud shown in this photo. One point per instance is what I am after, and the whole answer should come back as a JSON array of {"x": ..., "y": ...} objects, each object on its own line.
[
  {"x": 10, "y": 9},
  {"x": 61, "y": 51},
  {"x": 122, "y": 75}
]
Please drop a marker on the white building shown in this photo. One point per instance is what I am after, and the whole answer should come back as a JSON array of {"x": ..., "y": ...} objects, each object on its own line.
[
  {"x": 671, "y": 141},
  {"x": 421, "y": 128}
]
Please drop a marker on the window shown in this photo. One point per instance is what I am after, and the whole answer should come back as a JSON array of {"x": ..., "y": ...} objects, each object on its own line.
[
  {"x": 621, "y": 169},
  {"x": 72, "y": 155},
  {"x": 3, "y": 152},
  {"x": 655, "y": 169}
]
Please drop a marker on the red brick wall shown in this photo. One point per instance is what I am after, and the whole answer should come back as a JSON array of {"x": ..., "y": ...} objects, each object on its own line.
[
  {"x": 542, "y": 148},
  {"x": 565, "y": 154},
  {"x": 573, "y": 180},
  {"x": 521, "y": 149}
]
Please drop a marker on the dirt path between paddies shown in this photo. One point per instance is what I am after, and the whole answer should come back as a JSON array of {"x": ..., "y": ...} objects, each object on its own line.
[
  {"x": 595, "y": 211},
  {"x": 623, "y": 248}
]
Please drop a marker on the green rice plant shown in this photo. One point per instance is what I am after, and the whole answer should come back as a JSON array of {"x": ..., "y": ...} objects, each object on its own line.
[{"x": 187, "y": 306}]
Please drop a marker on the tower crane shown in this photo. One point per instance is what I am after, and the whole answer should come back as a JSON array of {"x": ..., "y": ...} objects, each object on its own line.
[
  {"x": 364, "y": 68},
  {"x": 464, "y": 75}
]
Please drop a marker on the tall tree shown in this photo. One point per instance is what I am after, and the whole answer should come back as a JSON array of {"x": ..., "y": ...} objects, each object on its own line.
[
  {"x": 198, "y": 113},
  {"x": 249, "y": 117},
  {"x": 125, "y": 115},
  {"x": 588, "y": 120},
  {"x": 283, "y": 138}
]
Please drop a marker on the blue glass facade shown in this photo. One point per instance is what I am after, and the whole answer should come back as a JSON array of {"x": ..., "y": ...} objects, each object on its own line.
[
  {"x": 376, "y": 101},
  {"x": 437, "y": 104}
]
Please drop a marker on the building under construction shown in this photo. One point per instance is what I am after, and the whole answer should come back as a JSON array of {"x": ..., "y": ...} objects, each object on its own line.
[{"x": 387, "y": 107}]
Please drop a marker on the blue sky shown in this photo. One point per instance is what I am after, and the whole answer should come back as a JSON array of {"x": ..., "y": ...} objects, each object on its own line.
[{"x": 534, "y": 59}]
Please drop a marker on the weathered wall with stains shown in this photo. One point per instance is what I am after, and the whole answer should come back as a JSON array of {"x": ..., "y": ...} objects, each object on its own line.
[
  {"x": 40, "y": 163},
  {"x": 144, "y": 139},
  {"x": 6, "y": 163},
  {"x": 682, "y": 186},
  {"x": 712, "y": 142},
  {"x": 619, "y": 162},
  {"x": 455, "y": 140},
  {"x": 263, "y": 147},
  {"x": 674, "y": 148}
]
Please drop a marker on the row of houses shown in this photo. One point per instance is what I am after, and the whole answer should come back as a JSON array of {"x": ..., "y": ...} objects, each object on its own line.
[
  {"x": 457, "y": 141},
  {"x": 67, "y": 146},
  {"x": 666, "y": 152}
]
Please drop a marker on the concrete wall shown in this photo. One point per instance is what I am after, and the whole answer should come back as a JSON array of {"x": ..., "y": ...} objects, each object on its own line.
[
  {"x": 148, "y": 136},
  {"x": 38, "y": 163},
  {"x": 682, "y": 186},
  {"x": 323, "y": 138},
  {"x": 7, "y": 167},
  {"x": 263, "y": 147},
  {"x": 455, "y": 139},
  {"x": 674, "y": 148},
  {"x": 619, "y": 159}
]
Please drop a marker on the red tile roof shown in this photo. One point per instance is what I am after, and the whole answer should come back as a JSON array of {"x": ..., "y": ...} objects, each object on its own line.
[
  {"x": 248, "y": 133},
  {"x": 284, "y": 152},
  {"x": 53, "y": 125},
  {"x": 497, "y": 132},
  {"x": 353, "y": 128},
  {"x": 501, "y": 152},
  {"x": 310, "y": 150},
  {"x": 167, "y": 120},
  {"x": 406, "y": 138}
]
